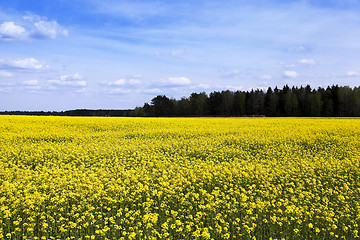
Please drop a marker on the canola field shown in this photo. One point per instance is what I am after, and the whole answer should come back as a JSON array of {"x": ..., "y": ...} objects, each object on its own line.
[{"x": 179, "y": 178}]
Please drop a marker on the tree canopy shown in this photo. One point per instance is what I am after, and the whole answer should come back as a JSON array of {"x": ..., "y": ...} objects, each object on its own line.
[{"x": 301, "y": 101}]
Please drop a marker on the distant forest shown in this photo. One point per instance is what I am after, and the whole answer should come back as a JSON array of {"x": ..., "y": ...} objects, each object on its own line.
[
  {"x": 77, "y": 112},
  {"x": 333, "y": 101}
]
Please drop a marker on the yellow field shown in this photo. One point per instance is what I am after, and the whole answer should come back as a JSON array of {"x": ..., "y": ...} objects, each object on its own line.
[{"x": 179, "y": 178}]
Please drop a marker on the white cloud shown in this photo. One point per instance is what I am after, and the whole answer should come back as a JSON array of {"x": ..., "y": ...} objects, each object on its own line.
[
  {"x": 33, "y": 27},
  {"x": 134, "y": 81},
  {"x": 123, "y": 81},
  {"x": 153, "y": 90},
  {"x": 203, "y": 86},
  {"x": 118, "y": 82},
  {"x": 31, "y": 82},
  {"x": 122, "y": 86},
  {"x": 75, "y": 76},
  {"x": 6, "y": 74},
  {"x": 308, "y": 62},
  {"x": 120, "y": 91},
  {"x": 265, "y": 77},
  {"x": 352, "y": 74},
  {"x": 9, "y": 30},
  {"x": 74, "y": 80},
  {"x": 174, "y": 81},
  {"x": 290, "y": 74},
  {"x": 178, "y": 81},
  {"x": 48, "y": 29},
  {"x": 26, "y": 63}
]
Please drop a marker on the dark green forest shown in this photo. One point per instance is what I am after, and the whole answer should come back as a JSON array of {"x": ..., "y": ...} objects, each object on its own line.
[{"x": 301, "y": 101}]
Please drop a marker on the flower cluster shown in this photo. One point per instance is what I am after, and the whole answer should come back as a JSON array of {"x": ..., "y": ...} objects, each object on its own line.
[{"x": 179, "y": 178}]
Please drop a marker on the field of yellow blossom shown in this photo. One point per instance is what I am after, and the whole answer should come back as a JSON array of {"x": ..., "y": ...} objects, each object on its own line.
[{"x": 179, "y": 178}]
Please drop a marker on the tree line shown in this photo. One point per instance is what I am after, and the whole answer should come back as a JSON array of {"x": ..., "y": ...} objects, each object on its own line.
[
  {"x": 301, "y": 101},
  {"x": 76, "y": 112}
]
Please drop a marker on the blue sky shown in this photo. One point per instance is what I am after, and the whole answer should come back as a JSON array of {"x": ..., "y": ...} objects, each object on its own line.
[{"x": 117, "y": 54}]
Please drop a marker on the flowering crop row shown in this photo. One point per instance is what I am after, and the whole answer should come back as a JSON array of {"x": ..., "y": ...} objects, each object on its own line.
[{"x": 179, "y": 178}]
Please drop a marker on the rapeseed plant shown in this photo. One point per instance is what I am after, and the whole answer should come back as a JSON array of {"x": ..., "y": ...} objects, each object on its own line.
[{"x": 179, "y": 178}]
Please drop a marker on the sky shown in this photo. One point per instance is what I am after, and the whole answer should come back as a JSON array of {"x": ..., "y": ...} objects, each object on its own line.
[{"x": 118, "y": 54}]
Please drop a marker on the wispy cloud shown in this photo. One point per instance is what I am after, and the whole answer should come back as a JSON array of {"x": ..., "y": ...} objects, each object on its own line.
[
  {"x": 181, "y": 81},
  {"x": 124, "y": 81},
  {"x": 307, "y": 62},
  {"x": 352, "y": 74},
  {"x": 7, "y": 87},
  {"x": 290, "y": 74},
  {"x": 31, "y": 82},
  {"x": 25, "y": 63},
  {"x": 122, "y": 86},
  {"x": 118, "y": 82},
  {"x": 6, "y": 74},
  {"x": 134, "y": 81},
  {"x": 48, "y": 29},
  {"x": 203, "y": 86},
  {"x": 33, "y": 85},
  {"x": 67, "y": 81},
  {"x": 287, "y": 65},
  {"x": 152, "y": 91},
  {"x": 173, "y": 82},
  {"x": 120, "y": 91},
  {"x": 265, "y": 77},
  {"x": 301, "y": 49}
]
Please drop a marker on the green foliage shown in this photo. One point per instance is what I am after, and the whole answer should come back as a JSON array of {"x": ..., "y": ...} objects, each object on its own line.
[{"x": 333, "y": 102}]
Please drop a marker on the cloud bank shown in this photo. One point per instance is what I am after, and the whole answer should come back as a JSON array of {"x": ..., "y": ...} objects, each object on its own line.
[
  {"x": 65, "y": 81},
  {"x": 31, "y": 27}
]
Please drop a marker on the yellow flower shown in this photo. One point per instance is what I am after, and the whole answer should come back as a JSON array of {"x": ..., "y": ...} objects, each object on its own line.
[{"x": 178, "y": 178}]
